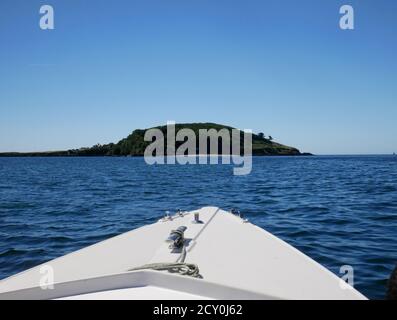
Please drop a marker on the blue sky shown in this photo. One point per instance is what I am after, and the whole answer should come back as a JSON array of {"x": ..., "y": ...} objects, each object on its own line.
[{"x": 280, "y": 67}]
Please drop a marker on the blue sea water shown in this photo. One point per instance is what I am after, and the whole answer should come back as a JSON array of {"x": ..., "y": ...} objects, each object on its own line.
[{"x": 339, "y": 210}]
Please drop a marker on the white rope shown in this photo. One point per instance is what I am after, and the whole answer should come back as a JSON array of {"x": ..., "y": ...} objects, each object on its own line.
[
  {"x": 185, "y": 269},
  {"x": 182, "y": 257}
]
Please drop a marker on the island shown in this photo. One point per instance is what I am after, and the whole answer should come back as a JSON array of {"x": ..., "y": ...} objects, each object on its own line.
[{"x": 135, "y": 144}]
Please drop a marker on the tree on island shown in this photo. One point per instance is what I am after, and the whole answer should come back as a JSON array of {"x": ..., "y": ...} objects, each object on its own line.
[{"x": 135, "y": 144}]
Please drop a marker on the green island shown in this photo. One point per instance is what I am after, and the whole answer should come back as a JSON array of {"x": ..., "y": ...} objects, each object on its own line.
[{"x": 135, "y": 145}]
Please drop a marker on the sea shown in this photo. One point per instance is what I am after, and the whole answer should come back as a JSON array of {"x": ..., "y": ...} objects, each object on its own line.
[{"x": 338, "y": 210}]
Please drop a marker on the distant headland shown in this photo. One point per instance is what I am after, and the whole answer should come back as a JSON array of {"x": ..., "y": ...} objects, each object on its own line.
[{"x": 135, "y": 145}]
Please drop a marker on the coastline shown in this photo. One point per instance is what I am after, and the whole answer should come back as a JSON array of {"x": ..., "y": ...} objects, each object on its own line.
[{"x": 59, "y": 155}]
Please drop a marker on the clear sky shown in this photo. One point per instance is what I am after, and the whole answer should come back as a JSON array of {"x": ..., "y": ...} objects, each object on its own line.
[{"x": 284, "y": 68}]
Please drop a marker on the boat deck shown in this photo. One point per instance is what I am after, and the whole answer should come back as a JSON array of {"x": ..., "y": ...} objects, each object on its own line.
[{"x": 236, "y": 259}]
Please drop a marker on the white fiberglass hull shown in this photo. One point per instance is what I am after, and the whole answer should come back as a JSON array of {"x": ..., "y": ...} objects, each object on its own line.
[{"x": 236, "y": 259}]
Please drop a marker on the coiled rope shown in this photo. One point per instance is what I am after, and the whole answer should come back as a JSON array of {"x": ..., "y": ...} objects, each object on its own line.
[{"x": 182, "y": 268}]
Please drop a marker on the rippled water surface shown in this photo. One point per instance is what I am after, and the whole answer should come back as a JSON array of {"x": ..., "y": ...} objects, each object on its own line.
[{"x": 338, "y": 210}]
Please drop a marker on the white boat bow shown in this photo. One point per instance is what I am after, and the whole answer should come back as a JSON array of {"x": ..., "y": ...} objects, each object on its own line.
[{"x": 235, "y": 260}]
